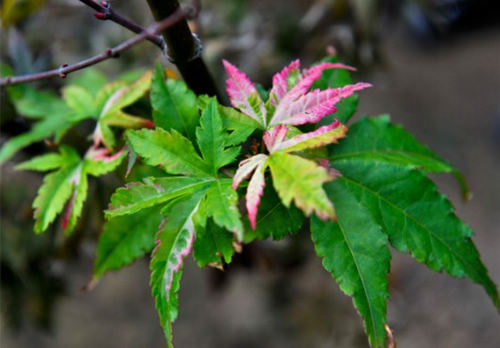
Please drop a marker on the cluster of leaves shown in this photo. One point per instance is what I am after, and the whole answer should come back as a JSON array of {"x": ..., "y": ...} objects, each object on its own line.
[
  {"x": 364, "y": 188},
  {"x": 88, "y": 97}
]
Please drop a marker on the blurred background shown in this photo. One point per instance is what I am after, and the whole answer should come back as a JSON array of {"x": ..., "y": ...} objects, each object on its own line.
[{"x": 435, "y": 67}]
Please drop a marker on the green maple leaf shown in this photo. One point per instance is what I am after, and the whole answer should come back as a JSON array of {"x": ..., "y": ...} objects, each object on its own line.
[
  {"x": 354, "y": 251},
  {"x": 51, "y": 116},
  {"x": 172, "y": 104},
  {"x": 57, "y": 186},
  {"x": 169, "y": 150},
  {"x": 152, "y": 191},
  {"x": 110, "y": 101},
  {"x": 221, "y": 203},
  {"x": 417, "y": 219},
  {"x": 125, "y": 239},
  {"x": 66, "y": 186},
  {"x": 81, "y": 100},
  {"x": 194, "y": 199},
  {"x": 238, "y": 124},
  {"x": 379, "y": 140},
  {"x": 175, "y": 240},
  {"x": 212, "y": 137},
  {"x": 383, "y": 189}
]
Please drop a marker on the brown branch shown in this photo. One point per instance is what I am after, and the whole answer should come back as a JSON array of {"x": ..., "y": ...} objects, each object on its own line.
[
  {"x": 184, "y": 48},
  {"x": 114, "y": 52},
  {"x": 104, "y": 11}
]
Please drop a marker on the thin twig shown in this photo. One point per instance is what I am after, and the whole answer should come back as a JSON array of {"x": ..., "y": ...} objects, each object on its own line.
[
  {"x": 114, "y": 52},
  {"x": 391, "y": 342},
  {"x": 106, "y": 12}
]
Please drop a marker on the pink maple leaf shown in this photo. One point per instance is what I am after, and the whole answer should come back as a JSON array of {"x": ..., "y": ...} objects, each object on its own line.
[
  {"x": 290, "y": 103},
  {"x": 290, "y": 97}
]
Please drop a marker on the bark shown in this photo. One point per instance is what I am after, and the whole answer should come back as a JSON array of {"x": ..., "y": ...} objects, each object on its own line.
[{"x": 182, "y": 48}]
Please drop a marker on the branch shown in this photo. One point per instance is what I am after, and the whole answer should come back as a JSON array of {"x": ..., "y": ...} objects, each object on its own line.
[
  {"x": 105, "y": 12},
  {"x": 185, "y": 48},
  {"x": 114, "y": 52}
]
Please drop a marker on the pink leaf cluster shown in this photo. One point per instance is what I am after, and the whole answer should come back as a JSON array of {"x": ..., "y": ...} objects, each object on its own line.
[
  {"x": 294, "y": 105},
  {"x": 291, "y": 103}
]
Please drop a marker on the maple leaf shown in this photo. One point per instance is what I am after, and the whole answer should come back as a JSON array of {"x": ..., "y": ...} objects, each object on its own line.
[
  {"x": 67, "y": 184},
  {"x": 193, "y": 199},
  {"x": 108, "y": 109},
  {"x": 289, "y": 104},
  {"x": 294, "y": 178},
  {"x": 289, "y": 101},
  {"x": 87, "y": 97}
]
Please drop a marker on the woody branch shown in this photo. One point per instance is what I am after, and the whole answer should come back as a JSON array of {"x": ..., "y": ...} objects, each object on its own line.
[{"x": 114, "y": 52}]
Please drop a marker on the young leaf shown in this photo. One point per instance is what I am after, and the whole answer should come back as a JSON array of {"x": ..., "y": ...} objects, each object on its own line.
[
  {"x": 124, "y": 120},
  {"x": 246, "y": 167},
  {"x": 110, "y": 101},
  {"x": 43, "y": 163},
  {"x": 378, "y": 140},
  {"x": 137, "y": 196},
  {"x": 221, "y": 203},
  {"x": 291, "y": 104},
  {"x": 275, "y": 136},
  {"x": 174, "y": 105},
  {"x": 170, "y": 150},
  {"x": 212, "y": 139},
  {"x": 125, "y": 239},
  {"x": 96, "y": 167},
  {"x": 67, "y": 185},
  {"x": 56, "y": 189},
  {"x": 174, "y": 242},
  {"x": 322, "y": 136},
  {"x": 313, "y": 106},
  {"x": 125, "y": 96},
  {"x": 254, "y": 192},
  {"x": 256, "y": 165},
  {"x": 301, "y": 180},
  {"x": 333, "y": 78},
  {"x": 354, "y": 250},
  {"x": 281, "y": 84},
  {"x": 301, "y": 84},
  {"x": 105, "y": 94},
  {"x": 75, "y": 204},
  {"x": 101, "y": 163},
  {"x": 417, "y": 219},
  {"x": 244, "y": 94}
]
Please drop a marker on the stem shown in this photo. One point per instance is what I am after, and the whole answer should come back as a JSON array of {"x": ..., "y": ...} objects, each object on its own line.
[
  {"x": 106, "y": 12},
  {"x": 114, "y": 52},
  {"x": 391, "y": 343},
  {"x": 183, "y": 48}
]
